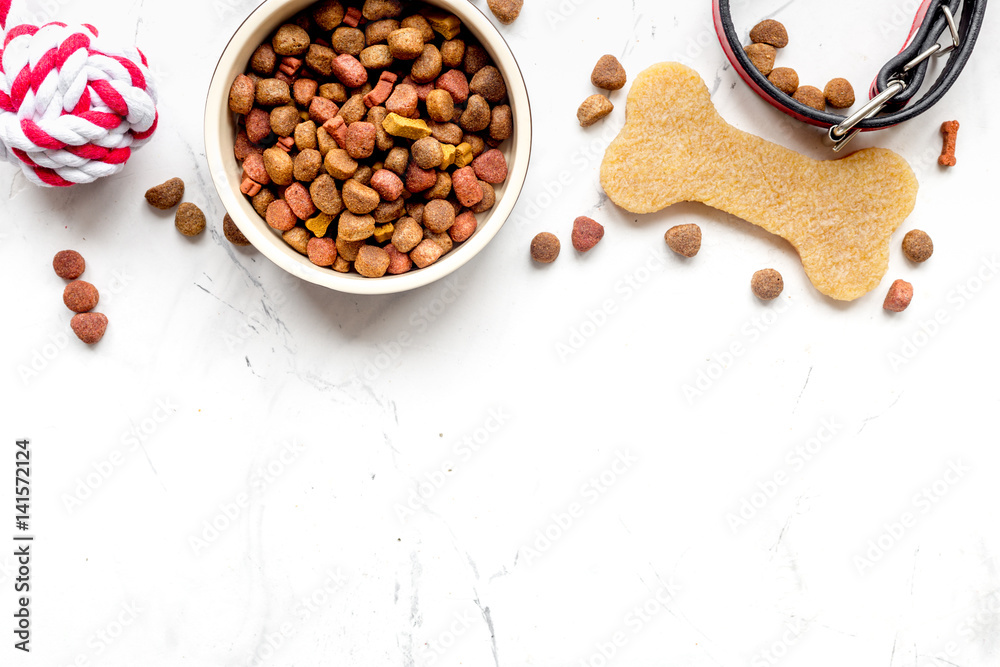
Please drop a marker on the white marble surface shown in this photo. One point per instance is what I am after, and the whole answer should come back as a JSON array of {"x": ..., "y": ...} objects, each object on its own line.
[{"x": 314, "y": 428}]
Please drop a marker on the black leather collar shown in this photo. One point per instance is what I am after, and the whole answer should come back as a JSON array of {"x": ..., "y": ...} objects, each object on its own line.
[{"x": 929, "y": 27}]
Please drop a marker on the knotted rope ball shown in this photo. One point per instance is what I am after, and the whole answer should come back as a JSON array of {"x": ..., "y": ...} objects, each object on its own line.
[{"x": 72, "y": 107}]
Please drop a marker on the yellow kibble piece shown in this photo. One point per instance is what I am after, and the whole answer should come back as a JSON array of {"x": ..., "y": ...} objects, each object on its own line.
[
  {"x": 319, "y": 224},
  {"x": 408, "y": 128},
  {"x": 384, "y": 233},
  {"x": 463, "y": 155},
  {"x": 442, "y": 22},
  {"x": 449, "y": 155}
]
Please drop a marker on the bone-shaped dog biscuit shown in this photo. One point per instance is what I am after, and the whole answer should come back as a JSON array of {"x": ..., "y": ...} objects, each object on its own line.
[{"x": 838, "y": 214}]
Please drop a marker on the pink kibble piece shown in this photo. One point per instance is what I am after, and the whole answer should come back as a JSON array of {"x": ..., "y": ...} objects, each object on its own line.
[
  {"x": 456, "y": 83},
  {"x": 321, "y": 110},
  {"x": 418, "y": 180},
  {"x": 350, "y": 71},
  {"x": 399, "y": 262},
  {"x": 380, "y": 93},
  {"x": 299, "y": 201},
  {"x": 254, "y": 168},
  {"x": 463, "y": 227},
  {"x": 466, "y": 186},
  {"x": 899, "y": 296},
  {"x": 491, "y": 167},
  {"x": 279, "y": 215},
  {"x": 387, "y": 184},
  {"x": 587, "y": 232},
  {"x": 258, "y": 125},
  {"x": 336, "y": 127},
  {"x": 403, "y": 100},
  {"x": 423, "y": 89},
  {"x": 322, "y": 251},
  {"x": 360, "y": 140}
]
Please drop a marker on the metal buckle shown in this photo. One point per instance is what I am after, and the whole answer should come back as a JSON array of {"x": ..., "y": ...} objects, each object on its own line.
[{"x": 840, "y": 135}]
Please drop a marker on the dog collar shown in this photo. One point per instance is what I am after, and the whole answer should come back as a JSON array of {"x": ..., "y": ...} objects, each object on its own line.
[{"x": 891, "y": 96}]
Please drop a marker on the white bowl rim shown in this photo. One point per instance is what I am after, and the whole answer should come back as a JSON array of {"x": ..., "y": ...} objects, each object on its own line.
[{"x": 265, "y": 241}]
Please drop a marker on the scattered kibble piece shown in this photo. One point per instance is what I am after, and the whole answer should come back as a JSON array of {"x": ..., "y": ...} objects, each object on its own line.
[
  {"x": 608, "y": 73},
  {"x": 784, "y": 79},
  {"x": 811, "y": 96},
  {"x": 545, "y": 248},
  {"x": 89, "y": 327},
  {"x": 767, "y": 284},
  {"x": 917, "y": 246},
  {"x": 80, "y": 296},
  {"x": 762, "y": 56},
  {"x": 506, "y": 10},
  {"x": 949, "y": 129},
  {"x": 839, "y": 93},
  {"x": 899, "y": 296},
  {"x": 684, "y": 239},
  {"x": 233, "y": 233},
  {"x": 166, "y": 195},
  {"x": 587, "y": 232},
  {"x": 189, "y": 220},
  {"x": 68, "y": 264},
  {"x": 593, "y": 109},
  {"x": 770, "y": 32}
]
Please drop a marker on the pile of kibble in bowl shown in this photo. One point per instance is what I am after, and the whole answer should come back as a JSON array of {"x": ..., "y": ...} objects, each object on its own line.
[{"x": 368, "y": 135}]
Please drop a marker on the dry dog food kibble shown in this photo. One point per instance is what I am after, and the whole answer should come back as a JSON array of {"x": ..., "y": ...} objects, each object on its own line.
[
  {"x": 166, "y": 195},
  {"x": 684, "y": 239},
  {"x": 949, "y": 129},
  {"x": 917, "y": 246},
  {"x": 89, "y": 327},
  {"x": 899, "y": 296},
  {"x": 587, "y": 232},
  {"x": 545, "y": 248},
  {"x": 232, "y": 232},
  {"x": 767, "y": 284},
  {"x": 68, "y": 264},
  {"x": 839, "y": 93},
  {"x": 785, "y": 79},
  {"x": 370, "y": 132},
  {"x": 80, "y": 296},
  {"x": 506, "y": 10},
  {"x": 810, "y": 96},
  {"x": 770, "y": 32},
  {"x": 189, "y": 220},
  {"x": 608, "y": 74},
  {"x": 593, "y": 109},
  {"x": 762, "y": 56}
]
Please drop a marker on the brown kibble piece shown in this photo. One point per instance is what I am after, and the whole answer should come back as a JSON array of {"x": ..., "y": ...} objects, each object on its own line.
[
  {"x": 355, "y": 227},
  {"x": 298, "y": 238},
  {"x": 839, "y": 93},
  {"x": 166, "y": 195},
  {"x": 348, "y": 39},
  {"x": 242, "y": 95},
  {"x": 452, "y": 52},
  {"x": 420, "y": 23},
  {"x": 784, "y": 79},
  {"x": 427, "y": 153},
  {"x": 684, "y": 239},
  {"x": 608, "y": 74},
  {"x": 476, "y": 116},
  {"x": 587, "y": 232},
  {"x": 426, "y": 253},
  {"x": 899, "y": 296},
  {"x": 272, "y": 92},
  {"x": 372, "y": 261},
  {"x": 68, "y": 264},
  {"x": 264, "y": 60},
  {"x": 949, "y": 129},
  {"x": 279, "y": 165},
  {"x": 439, "y": 216},
  {"x": 284, "y": 120},
  {"x": 475, "y": 59},
  {"x": 767, "y": 284},
  {"x": 440, "y": 105},
  {"x": 762, "y": 57},
  {"x": 501, "y": 123},
  {"x": 593, "y": 109},
  {"x": 406, "y": 43},
  {"x": 489, "y": 83},
  {"x": 917, "y": 246},
  {"x": 545, "y": 248},
  {"x": 359, "y": 198},
  {"x": 428, "y": 65},
  {"x": 89, "y": 327},
  {"x": 406, "y": 235},
  {"x": 339, "y": 164},
  {"x": 189, "y": 220},
  {"x": 506, "y": 10},
  {"x": 328, "y": 14},
  {"x": 290, "y": 40},
  {"x": 375, "y": 10},
  {"x": 770, "y": 32},
  {"x": 488, "y": 200},
  {"x": 80, "y": 296},
  {"x": 232, "y": 232},
  {"x": 810, "y": 96}
]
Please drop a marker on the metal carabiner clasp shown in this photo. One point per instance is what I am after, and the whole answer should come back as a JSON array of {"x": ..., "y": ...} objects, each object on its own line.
[{"x": 840, "y": 135}]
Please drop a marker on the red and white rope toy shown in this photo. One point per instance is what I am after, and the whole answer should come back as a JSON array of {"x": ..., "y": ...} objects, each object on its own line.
[{"x": 71, "y": 107}]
